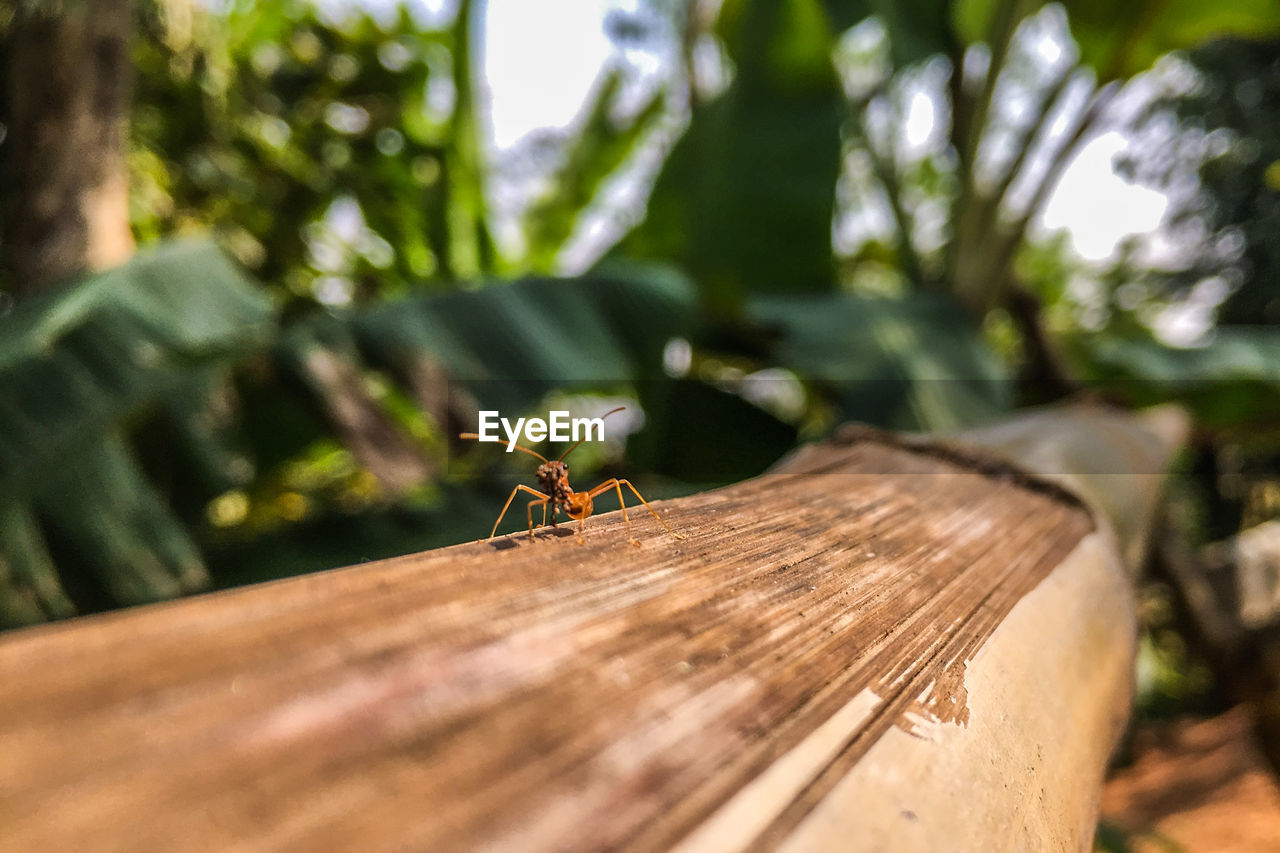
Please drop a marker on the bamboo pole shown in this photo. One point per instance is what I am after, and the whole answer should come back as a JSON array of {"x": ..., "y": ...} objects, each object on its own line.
[{"x": 878, "y": 646}]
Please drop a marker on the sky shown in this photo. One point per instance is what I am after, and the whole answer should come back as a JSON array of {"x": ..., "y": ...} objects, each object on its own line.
[
  {"x": 540, "y": 62},
  {"x": 1097, "y": 207}
]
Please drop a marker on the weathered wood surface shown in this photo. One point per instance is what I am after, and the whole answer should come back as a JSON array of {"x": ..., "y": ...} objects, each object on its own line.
[
  {"x": 877, "y": 644},
  {"x": 1113, "y": 460}
]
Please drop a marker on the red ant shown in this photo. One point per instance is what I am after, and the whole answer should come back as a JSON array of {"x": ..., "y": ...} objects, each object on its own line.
[{"x": 553, "y": 477}]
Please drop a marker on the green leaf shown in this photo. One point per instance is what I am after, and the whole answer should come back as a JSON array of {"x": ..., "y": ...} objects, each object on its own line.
[
  {"x": 30, "y": 591},
  {"x": 78, "y": 365},
  {"x": 1232, "y": 380},
  {"x": 108, "y": 519},
  {"x": 904, "y": 363},
  {"x": 700, "y": 434},
  {"x": 78, "y": 361},
  {"x": 1121, "y": 40},
  {"x": 512, "y": 344},
  {"x": 757, "y": 168},
  {"x": 201, "y": 413}
]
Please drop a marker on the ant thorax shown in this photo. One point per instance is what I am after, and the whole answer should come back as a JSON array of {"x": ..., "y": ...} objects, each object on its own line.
[{"x": 553, "y": 477}]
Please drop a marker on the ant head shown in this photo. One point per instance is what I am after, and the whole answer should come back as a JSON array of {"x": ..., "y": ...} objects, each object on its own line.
[{"x": 550, "y": 473}]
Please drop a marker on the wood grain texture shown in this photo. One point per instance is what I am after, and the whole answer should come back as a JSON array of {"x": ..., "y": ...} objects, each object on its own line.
[
  {"x": 1048, "y": 698},
  {"x": 545, "y": 695}
]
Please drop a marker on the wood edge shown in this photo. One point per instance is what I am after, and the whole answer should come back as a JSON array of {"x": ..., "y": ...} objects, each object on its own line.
[
  {"x": 954, "y": 452},
  {"x": 904, "y": 773}
]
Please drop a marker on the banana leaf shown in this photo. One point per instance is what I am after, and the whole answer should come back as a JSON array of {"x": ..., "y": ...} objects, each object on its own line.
[
  {"x": 1232, "y": 380},
  {"x": 510, "y": 345},
  {"x": 80, "y": 524},
  {"x": 912, "y": 362}
]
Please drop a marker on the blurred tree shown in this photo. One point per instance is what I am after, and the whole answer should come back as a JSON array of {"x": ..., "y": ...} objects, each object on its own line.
[
  {"x": 340, "y": 160},
  {"x": 757, "y": 168},
  {"x": 1226, "y": 137},
  {"x": 1014, "y": 92},
  {"x": 67, "y": 85},
  {"x": 1209, "y": 142}
]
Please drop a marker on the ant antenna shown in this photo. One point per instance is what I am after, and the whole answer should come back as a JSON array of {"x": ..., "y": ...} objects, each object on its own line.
[
  {"x": 579, "y": 441},
  {"x": 476, "y": 436}
]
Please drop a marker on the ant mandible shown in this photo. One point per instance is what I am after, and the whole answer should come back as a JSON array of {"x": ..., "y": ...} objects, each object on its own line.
[{"x": 553, "y": 477}]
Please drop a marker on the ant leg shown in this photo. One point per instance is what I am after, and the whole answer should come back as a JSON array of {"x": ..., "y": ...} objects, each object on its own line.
[
  {"x": 652, "y": 511},
  {"x": 529, "y": 511},
  {"x": 507, "y": 505},
  {"x": 615, "y": 483}
]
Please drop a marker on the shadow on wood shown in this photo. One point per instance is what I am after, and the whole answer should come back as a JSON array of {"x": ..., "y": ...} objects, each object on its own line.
[{"x": 878, "y": 646}]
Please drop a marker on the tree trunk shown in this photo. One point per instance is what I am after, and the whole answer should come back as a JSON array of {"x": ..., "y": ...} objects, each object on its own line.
[{"x": 70, "y": 81}]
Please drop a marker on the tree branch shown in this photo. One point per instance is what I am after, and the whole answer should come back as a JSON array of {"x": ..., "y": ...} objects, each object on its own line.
[
  {"x": 988, "y": 205},
  {"x": 1009, "y": 240},
  {"x": 1046, "y": 368},
  {"x": 1004, "y": 23},
  {"x": 886, "y": 173}
]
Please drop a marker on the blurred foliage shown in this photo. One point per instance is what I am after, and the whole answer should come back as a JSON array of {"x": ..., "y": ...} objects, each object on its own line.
[
  {"x": 896, "y": 362},
  {"x": 600, "y": 148},
  {"x": 748, "y": 211},
  {"x": 77, "y": 365},
  {"x": 1226, "y": 137},
  {"x": 337, "y": 160},
  {"x": 1113, "y": 838},
  {"x": 340, "y": 160},
  {"x": 1234, "y": 381},
  {"x": 1117, "y": 43},
  {"x": 1172, "y": 680},
  {"x": 512, "y": 346},
  {"x": 1208, "y": 140}
]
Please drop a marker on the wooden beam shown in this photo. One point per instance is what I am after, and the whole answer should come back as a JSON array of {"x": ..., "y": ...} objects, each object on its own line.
[{"x": 877, "y": 643}]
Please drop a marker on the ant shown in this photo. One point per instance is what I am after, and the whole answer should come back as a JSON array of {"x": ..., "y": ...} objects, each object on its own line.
[{"x": 553, "y": 477}]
